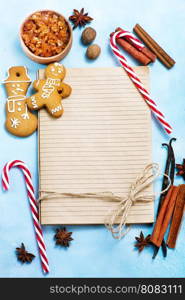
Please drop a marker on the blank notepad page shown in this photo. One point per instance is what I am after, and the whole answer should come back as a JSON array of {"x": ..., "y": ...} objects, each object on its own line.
[{"x": 101, "y": 143}]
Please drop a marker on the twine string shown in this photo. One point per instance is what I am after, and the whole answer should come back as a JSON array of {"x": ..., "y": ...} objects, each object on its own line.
[{"x": 115, "y": 220}]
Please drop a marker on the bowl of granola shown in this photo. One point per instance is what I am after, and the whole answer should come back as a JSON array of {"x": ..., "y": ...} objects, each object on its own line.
[{"x": 46, "y": 36}]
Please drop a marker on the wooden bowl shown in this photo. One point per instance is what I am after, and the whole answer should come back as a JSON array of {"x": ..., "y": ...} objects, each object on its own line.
[{"x": 40, "y": 59}]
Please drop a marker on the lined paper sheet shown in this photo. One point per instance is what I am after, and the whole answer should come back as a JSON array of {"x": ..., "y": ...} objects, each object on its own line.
[{"x": 101, "y": 143}]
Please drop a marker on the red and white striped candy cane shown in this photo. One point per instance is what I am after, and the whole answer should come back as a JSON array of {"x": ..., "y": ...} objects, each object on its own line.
[
  {"x": 33, "y": 205},
  {"x": 131, "y": 37},
  {"x": 131, "y": 73}
]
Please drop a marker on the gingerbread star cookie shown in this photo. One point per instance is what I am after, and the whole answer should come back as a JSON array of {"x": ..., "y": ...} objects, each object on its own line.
[
  {"x": 50, "y": 91},
  {"x": 19, "y": 120}
]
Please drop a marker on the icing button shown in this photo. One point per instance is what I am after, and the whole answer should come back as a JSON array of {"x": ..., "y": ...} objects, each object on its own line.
[{"x": 19, "y": 109}]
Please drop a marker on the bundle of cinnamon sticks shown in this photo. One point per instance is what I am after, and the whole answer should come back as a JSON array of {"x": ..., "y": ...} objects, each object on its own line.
[
  {"x": 145, "y": 55},
  {"x": 172, "y": 209}
]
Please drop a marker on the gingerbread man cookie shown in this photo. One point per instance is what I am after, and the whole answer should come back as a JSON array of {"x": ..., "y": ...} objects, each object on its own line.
[
  {"x": 19, "y": 121},
  {"x": 51, "y": 91}
]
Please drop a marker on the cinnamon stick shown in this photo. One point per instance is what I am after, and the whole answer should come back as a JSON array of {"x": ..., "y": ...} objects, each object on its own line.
[
  {"x": 177, "y": 217},
  {"x": 133, "y": 51},
  {"x": 169, "y": 170},
  {"x": 154, "y": 46},
  {"x": 164, "y": 216},
  {"x": 160, "y": 218},
  {"x": 168, "y": 214},
  {"x": 144, "y": 50}
]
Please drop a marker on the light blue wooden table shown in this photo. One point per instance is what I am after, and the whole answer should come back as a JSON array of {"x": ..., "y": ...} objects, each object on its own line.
[{"x": 93, "y": 253}]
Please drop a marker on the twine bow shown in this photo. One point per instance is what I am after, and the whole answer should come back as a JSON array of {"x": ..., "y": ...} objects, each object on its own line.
[{"x": 119, "y": 215}]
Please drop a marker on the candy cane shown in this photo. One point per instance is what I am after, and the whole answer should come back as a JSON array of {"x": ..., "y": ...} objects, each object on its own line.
[
  {"x": 131, "y": 38},
  {"x": 131, "y": 73},
  {"x": 33, "y": 206}
]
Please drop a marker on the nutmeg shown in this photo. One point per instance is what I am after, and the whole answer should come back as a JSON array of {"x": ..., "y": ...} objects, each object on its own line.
[
  {"x": 88, "y": 35},
  {"x": 93, "y": 51}
]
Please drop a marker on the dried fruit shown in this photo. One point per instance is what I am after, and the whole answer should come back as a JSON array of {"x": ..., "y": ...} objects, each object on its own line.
[
  {"x": 46, "y": 33},
  {"x": 93, "y": 51},
  {"x": 63, "y": 237},
  {"x": 23, "y": 255},
  {"x": 88, "y": 35},
  {"x": 142, "y": 242},
  {"x": 79, "y": 18}
]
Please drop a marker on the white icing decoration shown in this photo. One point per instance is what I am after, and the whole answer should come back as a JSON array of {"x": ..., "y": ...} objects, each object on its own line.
[
  {"x": 19, "y": 89},
  {"x": 49, "y": 87},
  {"x": 16, "y": 89},
  {"x": 11, "y": 102},
  {"x": 14, "y": 92},
  {"x": 10, "y": 110},
  {"x": 25, "y": 116},
  {"x": 34, "y": 102},
  {"x": 12, "y": 81},
  {"x": 18, "y": 103},
  {"x": 54, "y": 110},
  {"x": 19, "y": 109},
  {"x": 15, "y": 122}
]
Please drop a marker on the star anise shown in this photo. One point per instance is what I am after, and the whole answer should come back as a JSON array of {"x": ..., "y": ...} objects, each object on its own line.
[
  {"x": 142, "y": 242},
  {"x": 79, "y": 18},
  {"x": 181, "y": 169},
  {"x": 23, "y": 255},
  {"x": 63, "y": 237}
]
